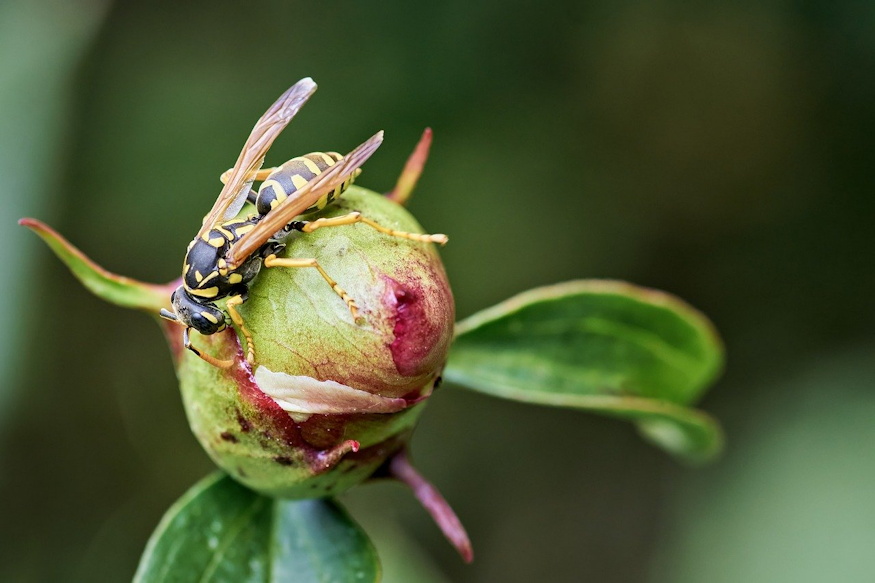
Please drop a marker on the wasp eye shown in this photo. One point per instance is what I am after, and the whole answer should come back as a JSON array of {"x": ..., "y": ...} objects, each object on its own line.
[{"x": 208, "y": 321}]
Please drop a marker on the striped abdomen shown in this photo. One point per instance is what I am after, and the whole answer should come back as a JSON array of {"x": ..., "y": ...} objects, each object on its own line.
[{"x": 288, "y": 178}]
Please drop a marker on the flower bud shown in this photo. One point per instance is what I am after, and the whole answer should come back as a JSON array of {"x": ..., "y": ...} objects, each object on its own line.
[
  {"x": 333, "y": 381},
  {"x": 327, "y": 398}
]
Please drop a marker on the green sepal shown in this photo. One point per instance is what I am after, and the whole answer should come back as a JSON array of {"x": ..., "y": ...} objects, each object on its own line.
[
  {"x": 221, "y": 531},
  {"x": 604, "y": 346},
  {"x": 116, "y": 289}
]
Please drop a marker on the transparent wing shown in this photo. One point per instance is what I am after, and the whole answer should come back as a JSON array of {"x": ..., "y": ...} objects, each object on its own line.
[
  {"x": 268, "y": 127},
  {"x": 302, "y": 199}
]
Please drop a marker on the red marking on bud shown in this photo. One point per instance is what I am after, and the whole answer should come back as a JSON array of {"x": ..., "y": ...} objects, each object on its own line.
[
  {"x": 278, "y": 421},
  {"x": 423, "y": 319},
  {"x": 317, "y": 442},
  {"x": 409, "y": 345}
]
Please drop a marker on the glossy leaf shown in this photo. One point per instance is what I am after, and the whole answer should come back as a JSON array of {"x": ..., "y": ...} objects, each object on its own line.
[
  {"x": 221, "y": 531},
  {"x": 604, "y": 346},
  {"x": 117, "y": 289}
]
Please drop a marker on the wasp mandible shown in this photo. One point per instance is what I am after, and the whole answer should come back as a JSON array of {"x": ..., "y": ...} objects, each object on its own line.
[{"x": 228, "y": 252}]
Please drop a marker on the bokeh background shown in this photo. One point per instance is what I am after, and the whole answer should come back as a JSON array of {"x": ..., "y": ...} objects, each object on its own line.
[{"x": 720, "y": 151}]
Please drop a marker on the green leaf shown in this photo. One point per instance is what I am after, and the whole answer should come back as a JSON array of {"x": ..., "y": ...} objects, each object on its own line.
[
  {"x": 800, "y": 470},
  {"x": 603, "y": 346},
  {"x": 221, "y": 531},
  {"x": 117, "y": 289},
  {"x": 315, "y": 540}
]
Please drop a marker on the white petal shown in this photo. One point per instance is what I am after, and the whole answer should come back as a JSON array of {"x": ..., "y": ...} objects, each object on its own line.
[{"x": 303, "y": 394}]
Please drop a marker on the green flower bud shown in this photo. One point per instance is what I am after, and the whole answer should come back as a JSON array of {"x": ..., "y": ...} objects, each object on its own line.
[{"x": 327, "y": 399}]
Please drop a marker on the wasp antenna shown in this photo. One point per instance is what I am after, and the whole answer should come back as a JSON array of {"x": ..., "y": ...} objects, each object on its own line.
[{"x": 168, "y": 315}]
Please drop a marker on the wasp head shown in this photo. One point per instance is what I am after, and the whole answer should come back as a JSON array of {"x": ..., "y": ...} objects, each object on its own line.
[{"x": 204, "y": 317}]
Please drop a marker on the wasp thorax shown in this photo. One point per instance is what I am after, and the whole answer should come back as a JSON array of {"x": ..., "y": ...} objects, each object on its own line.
[{"x": 327, "y": 399}]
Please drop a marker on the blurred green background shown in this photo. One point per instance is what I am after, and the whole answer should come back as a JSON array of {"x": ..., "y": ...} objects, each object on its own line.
[{"x": 720, "y": 151}]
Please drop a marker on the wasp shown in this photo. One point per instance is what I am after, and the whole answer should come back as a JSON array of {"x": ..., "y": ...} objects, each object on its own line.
[{"x": 227, "y": 253}]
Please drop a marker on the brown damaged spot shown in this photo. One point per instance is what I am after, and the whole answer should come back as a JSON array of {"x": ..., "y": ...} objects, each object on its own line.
[
  {"x": 323, "y": 431},
  {"x": 283, "y": 460},
  {"x": 245, "y": 426},
  {"x": 228, "y": 436}
]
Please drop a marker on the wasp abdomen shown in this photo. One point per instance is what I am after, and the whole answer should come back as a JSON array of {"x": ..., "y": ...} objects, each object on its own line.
[{"x": 294, "y": 174}]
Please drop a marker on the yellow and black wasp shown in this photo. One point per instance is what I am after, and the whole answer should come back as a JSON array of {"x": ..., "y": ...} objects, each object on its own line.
[{"x": 228, "y": 252}]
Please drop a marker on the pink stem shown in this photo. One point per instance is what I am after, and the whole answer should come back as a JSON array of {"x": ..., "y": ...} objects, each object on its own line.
[
  {"x": 434, "y": 504},
  {"x": 412, "y": 170}
]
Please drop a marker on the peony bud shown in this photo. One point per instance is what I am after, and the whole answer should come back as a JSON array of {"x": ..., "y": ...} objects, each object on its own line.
[{"x": 327, "y": 399}]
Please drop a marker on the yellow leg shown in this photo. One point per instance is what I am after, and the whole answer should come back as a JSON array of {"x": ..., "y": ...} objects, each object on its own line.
[
  {"x": 186, "y": 341},
  {"x": 231, "y": 306},
  {"x": 259, "y": 176},
  {"x": 274, "y": 261},
  {"x": 356, "y": 217}
]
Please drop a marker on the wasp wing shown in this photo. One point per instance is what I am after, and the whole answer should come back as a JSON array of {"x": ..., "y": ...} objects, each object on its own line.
[
  {"x": 300, "y": 201},
  {"x": 268, "y": 127}
]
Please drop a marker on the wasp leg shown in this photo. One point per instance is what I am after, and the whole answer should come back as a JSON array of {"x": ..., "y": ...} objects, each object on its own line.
[
  {"x": 271, "y": 248},
  {"x": 186, "y": 341},
  {"x": 258, "y": 176},
  {"x": 231, "y": 306},
  {"x": 356, "y": 217},
  {"x": 274, "y": 261}
]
